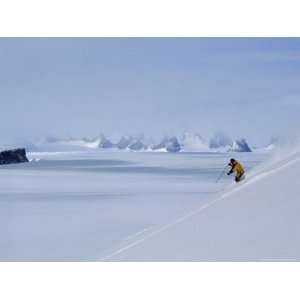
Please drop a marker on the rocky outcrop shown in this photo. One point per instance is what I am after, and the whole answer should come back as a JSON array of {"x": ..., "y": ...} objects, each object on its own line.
[
  {"x": 124, "y": 142},
  {"x": 169, "y": 144},
  {"x": 240, "y": 145},
  {"x": 13, "y": 156},
  {"x": 137, "y": 145},
  {"x": 173, "y": 145},
  {"x": 105, "y": 143},
  {"x": 161, "y": 145}
]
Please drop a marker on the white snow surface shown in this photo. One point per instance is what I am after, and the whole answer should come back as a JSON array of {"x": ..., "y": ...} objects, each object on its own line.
[
  {"x": 256, "y": 220},
  {"x": 124, "y": 206},
  {"x": 84, "y": 206}
]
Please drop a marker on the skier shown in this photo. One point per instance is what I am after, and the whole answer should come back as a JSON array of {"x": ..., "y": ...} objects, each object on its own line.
[{"x": 238, "y": 168}]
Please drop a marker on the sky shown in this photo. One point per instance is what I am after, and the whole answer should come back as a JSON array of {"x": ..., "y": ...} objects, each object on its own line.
[{"x": 153, "y": 86}]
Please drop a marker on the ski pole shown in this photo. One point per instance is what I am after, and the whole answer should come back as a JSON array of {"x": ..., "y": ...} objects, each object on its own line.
[{"x": 221, "y": 174}]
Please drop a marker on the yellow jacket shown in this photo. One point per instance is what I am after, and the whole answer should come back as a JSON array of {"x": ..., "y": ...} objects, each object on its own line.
[{"x": 237, "y": 167}]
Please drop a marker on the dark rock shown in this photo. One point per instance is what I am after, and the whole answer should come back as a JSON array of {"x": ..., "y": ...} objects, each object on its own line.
[
  {"x": 170, "y": 144},
  {"x": 13, "y": 156},
  {"x": 161, "y": 145},
  {"x": 137, "y": 145},
  {"x": 173, "y": 145},
  {"x": 241, "y": 145},
  {"x": 105, "y": 143},
  {"x": 124, "y": 142}
]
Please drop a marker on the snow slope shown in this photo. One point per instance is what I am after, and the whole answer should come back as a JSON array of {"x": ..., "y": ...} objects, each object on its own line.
[
  {"x": 256, "y": 220},
  {"x": 81, "y": 206}
]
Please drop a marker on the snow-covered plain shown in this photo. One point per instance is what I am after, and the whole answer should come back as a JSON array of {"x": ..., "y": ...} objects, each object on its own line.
[
  {"x": 256, "y": 220},
  {"x": 87, "y": 206}
]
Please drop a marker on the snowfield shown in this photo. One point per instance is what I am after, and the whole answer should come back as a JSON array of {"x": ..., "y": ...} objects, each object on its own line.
[
  {"x": 126, "y": 206},
  {"x": 257, "y": 220}
]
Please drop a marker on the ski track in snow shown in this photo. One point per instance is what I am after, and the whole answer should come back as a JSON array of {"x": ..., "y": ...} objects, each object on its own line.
[
  {"x": 134, "y": 235},
  {"x": 227, "y": 192}
]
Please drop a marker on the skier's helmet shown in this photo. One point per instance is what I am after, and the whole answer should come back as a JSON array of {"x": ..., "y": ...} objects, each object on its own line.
[{"x": 232, "y": 160}]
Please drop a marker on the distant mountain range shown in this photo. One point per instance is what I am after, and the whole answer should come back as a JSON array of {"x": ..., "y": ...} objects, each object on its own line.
[{"x": 189, "y": 142}]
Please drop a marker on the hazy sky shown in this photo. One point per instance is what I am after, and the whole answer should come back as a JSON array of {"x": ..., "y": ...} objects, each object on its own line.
[{"x": 156, "y": 86}]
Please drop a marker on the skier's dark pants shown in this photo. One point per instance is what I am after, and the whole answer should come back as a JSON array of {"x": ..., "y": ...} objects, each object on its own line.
[{"x": 239, "y": 177}]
